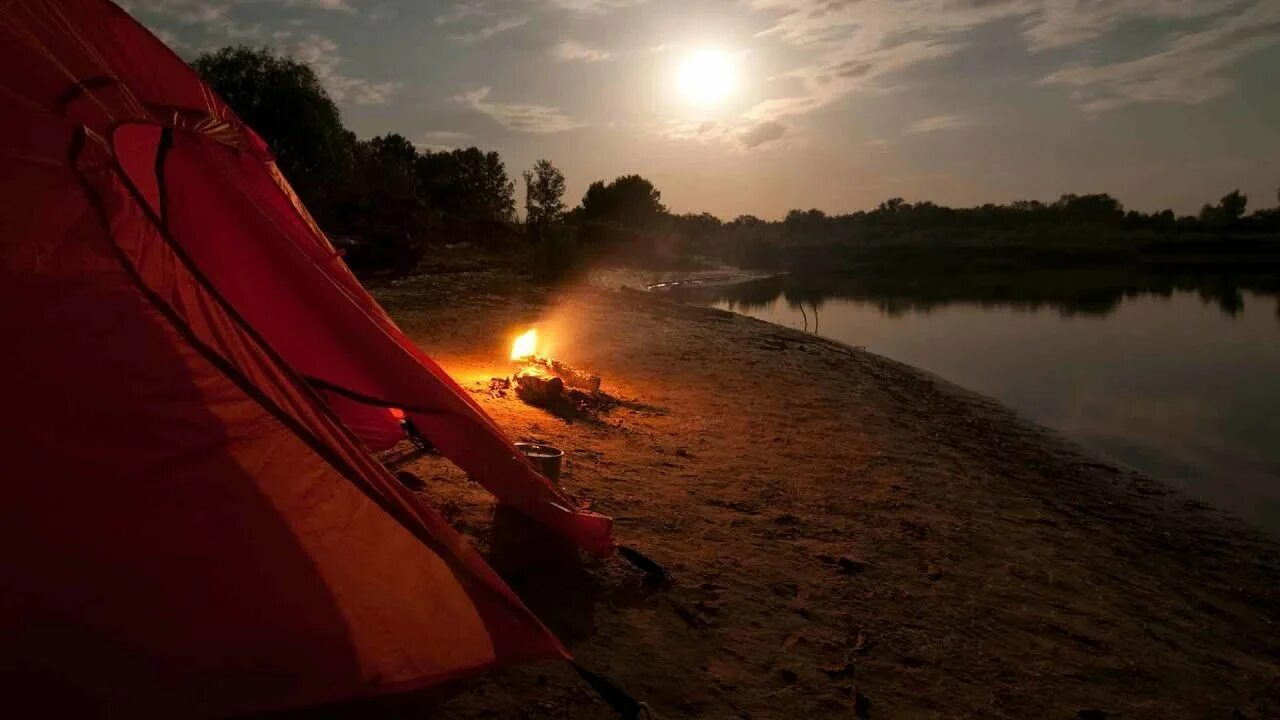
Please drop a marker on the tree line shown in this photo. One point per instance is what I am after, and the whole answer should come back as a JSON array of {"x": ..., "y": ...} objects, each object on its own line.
[{"x": 385, "y": 201}]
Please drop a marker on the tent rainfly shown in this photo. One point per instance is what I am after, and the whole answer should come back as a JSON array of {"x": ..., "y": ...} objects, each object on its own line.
[{"x": 193, "y": 524}]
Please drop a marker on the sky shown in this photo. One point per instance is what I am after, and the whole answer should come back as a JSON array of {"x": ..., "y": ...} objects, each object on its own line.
[{"x": 828, "y": 104}]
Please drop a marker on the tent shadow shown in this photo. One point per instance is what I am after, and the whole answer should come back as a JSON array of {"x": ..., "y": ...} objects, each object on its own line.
[{"x": 546, "y": 572}]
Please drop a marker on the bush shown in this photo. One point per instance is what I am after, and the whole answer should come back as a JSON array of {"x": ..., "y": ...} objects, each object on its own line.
[{"x": 554, "y": 253}]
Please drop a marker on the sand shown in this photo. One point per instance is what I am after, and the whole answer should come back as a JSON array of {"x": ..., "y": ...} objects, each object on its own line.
[{"x": 849, "y": 536}]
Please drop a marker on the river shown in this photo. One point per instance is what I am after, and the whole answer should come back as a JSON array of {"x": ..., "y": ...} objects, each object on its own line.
[{"x": 1178, "y": 377}]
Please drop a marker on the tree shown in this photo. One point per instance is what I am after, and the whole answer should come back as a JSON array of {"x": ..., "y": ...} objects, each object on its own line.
[
  {"x": 543, "y": 194},
  {"x": 630, "y": 200},
  {"x": 397, "y": 152},
  {"x": 283, "y": 100},
  {"x": 1098, "y": 208},
  {"x": 746, "y": 221},
  {"x": 806, "y": 225},
  {"x": 893, "y": 206},
  {"x": 1228, "y": 210},
  {"x": 467, "y": 185},
  {"x": 696, "y": 226},
  {"x": 381, "y": 203},
  {"x": 1232, "y": 205}
]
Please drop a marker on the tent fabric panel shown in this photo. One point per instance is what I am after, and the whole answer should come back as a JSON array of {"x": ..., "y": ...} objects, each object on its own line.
[
  {"x": 137, "y": 149},
  {"x": 66, "y": 48},
  {"x": 374, "y": 425},
  {"x": 160, "y": 443},
  {"x": 163, "y": 273},
  {"x": 88, "y": 60},
  {"x": 192, "y": 556},
  {"x": 329, "y": 332},
  {"x": 167, "y": 545}
]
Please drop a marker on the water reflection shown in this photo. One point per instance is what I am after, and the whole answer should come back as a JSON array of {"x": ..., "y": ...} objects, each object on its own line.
[
  {"x": 1175, "y": 375},
  {"x": 1067, "y": 292}
]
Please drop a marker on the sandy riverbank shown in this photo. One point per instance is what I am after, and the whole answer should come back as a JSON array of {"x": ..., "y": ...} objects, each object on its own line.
[{"x": 848, "y": 534}]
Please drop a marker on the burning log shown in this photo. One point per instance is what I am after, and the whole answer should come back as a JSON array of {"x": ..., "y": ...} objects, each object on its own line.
[
  {"x": 536, "y": 387},
  {"x": 546, "y": 382},
  {"x": 572, "y": 376},
  {"x": 524, "y": 353}
]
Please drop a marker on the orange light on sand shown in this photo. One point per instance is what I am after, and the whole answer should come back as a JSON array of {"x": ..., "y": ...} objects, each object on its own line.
[{"x": 526, "y": 345}]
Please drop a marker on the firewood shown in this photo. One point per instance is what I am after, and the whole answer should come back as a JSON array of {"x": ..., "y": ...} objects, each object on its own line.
[
  {"x": 572, "y": 376},
  {"x": 537, "y": 387},
  {"x": 577, "y": 378}
]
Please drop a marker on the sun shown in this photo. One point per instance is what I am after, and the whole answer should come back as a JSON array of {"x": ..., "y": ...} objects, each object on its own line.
[{"x": 707, "y": 77}]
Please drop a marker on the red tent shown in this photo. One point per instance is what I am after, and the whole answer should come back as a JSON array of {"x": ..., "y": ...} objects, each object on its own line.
[{"x": 193, "y": 382}]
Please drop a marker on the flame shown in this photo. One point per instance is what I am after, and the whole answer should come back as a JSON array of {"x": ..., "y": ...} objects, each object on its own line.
[{"x": 526, "y": 345}]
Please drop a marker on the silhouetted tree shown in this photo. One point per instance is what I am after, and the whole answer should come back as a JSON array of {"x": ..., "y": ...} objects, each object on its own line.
[
  {"x": 1228, "y": 210},
  {"x": 283, "y": 100},
  {"x": 805, "y": 223},
  {"x": 893, "y": 205},
  {"x": 1233, "y": 205},
  {"x": 380, "y": 202},
  {"x": 543, "y": 194},
  {"x": 468, "y": 185},
  {"x": 630, "y": 200},
  {"x": 1100, "y": 208}
]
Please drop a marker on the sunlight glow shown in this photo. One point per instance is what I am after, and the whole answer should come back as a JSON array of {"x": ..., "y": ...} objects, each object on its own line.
[{"x": 707, "y": 77}]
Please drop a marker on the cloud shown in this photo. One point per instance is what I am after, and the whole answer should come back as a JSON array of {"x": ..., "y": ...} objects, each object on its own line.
[
  {"x": 762, "y": 133},
  {"x": 442, "y": 140},
  {"x": 735, "y": 133},
  {"x": 485, "y": 18},
  {"x": 339, "y": 5},
  {"x": 214, "y": 19},
  {"x": 236, "y": 31},
  {"x": 1191, "y": 68},
  {"x": 1045, "y": 23},
  {"x": 464, "y": 11},
  {"x": 594, "y": 6},
  {"x": 570, "y": 50},
  {"x": 321, "y": 54},
  {"x": 187, "y": 12},
  {"x": 487, "y": 31},
  {"x": 1057, "y": 24},
  {"x": 937, "y": 123},
  {"x": 214, "y": 11},
  {"x": 173, "y": 41},
  {"x": 704, "y": 131},
  {"x": 842, "y": 71},
  {"x": 851, "y": 45},
  {"x": 537, "y": 119},
  {"x": 872, "y": 24}
]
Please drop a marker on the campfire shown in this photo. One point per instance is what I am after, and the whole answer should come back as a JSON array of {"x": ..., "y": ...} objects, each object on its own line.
[{"x": 545, "y": 381}]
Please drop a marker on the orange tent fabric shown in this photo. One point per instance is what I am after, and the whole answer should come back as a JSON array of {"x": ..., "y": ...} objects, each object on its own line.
[{"x": 193, "y": 524}]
